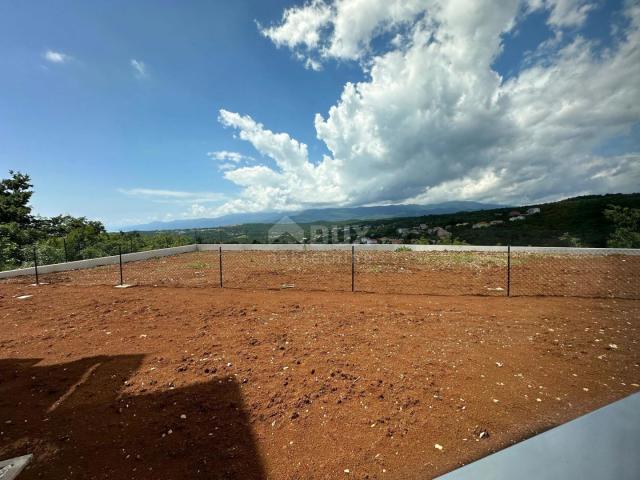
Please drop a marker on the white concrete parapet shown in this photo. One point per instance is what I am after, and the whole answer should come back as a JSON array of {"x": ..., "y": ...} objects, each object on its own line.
[{"x": 99, "y": 262}]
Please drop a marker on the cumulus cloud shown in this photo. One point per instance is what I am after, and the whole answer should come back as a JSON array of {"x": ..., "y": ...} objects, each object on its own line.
[
  {"x": 139, "y": 68},
  {"x": 343, "y": 29},
  {"x": 300, "y": 25},
  {"x": 52, "y": 56},
  {"x": 433, "y": 121}
]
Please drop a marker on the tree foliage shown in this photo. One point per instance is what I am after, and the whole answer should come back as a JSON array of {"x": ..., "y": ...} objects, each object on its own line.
[
  {"x": 63, "y": 237},
  {"x": 627, "y": 226}
]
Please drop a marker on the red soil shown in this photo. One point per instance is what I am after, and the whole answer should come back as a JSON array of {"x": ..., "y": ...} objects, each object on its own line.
[{"x": 289, "y": 384}]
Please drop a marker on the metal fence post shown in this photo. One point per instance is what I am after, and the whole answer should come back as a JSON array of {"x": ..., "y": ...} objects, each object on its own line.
[
  {"x": 120, "y": 256},
  {"x": 220, "y": 258},
  {"x": 508, "y": 270},
  {"x": 66, "y": 254},
  {"x": 35, "y": 263},
  {"x": 353, "y": 268}
]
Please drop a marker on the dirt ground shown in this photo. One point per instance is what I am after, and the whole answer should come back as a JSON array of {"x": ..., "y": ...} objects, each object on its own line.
[{"x": 182, "y": 383}]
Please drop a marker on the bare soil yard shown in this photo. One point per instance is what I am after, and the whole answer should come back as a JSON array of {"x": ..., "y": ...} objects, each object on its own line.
[{"x": 182, "y": 383}]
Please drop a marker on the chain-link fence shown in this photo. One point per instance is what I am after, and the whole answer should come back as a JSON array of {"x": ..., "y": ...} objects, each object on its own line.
[
  {"x": 278, "y": 269},
  {"x": 498, "y": 271},
  {"x": 431, "y": 272},
  {"x": 574, "y": 274}
]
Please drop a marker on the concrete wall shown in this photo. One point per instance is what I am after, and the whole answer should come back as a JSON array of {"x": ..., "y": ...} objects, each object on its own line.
[
  {"x": 316, "y": 247},
  {"x": 319, "y": 247},
  {"x": 98, "y": 262}
]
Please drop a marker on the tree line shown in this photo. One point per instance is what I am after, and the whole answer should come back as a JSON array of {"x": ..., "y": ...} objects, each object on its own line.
[{"x": 61, "y": 238}]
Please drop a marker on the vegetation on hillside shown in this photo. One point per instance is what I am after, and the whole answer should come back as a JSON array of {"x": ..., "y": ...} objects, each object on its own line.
[
  {"x": 61, "y": 238},
  {"x": 579, "y": 221},
  {"x": 575, "y": 222}
]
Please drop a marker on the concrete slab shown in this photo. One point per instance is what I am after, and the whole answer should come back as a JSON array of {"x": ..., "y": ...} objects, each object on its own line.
[
  {"x": 9, "y": 469},
  {"x": 124, "y": 285},
  {"x": 600, "y": 445}
]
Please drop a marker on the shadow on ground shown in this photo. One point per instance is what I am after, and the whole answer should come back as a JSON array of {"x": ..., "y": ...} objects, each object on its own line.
[{"x": 78, "y": 424}]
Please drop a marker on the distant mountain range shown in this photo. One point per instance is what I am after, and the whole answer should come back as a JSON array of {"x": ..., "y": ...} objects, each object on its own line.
[{"x": 318, "y": 215}]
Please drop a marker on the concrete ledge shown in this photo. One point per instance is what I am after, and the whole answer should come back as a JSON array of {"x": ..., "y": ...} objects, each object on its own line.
[
  {"x": 324, "y": 247},
  {"x": 10, "y": 469},
  {"x": 315, "y": 247},
  {"x": 600, "y": 445},
  {"x": 98, "y": 262}
]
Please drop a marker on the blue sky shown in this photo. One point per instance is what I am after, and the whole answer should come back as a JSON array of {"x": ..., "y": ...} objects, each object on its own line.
[{"x": 112, "y": 107}]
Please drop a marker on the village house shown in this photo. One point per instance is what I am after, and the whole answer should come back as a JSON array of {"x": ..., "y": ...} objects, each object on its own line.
[
  {"x": 464, "y": 224},
  {"x": 518, "y": 218},
  {"x": 441, "y": 232},
  {"x": 514, "y": 213},
  {"x": 533, "y": 210},
  {"x": 496, "y": 222},
  {"x": 480, "y": 225},
  {"x": 389, "y": 240},
  {"x": 368, "y": 241}
]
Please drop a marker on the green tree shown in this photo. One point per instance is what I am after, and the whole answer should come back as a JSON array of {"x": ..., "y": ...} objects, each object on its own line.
[
  {"x": 570, "y": 240},
  {"x": 15, "y": 194},
  {"x": 451, "y": 241},
  {"x": 16, "y": 220},
  {"x": 62, "y": 225},
  {"x": 626, "y": 222}
]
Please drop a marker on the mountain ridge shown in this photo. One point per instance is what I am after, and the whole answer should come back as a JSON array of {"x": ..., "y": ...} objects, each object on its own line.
[{"x": 337, "y": 214}]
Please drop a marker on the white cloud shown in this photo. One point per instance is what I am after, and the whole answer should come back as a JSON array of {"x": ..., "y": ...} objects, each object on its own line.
[
  {"x": 56, "y": 57},
  {"x": 224, "y": 155},
  {"x": 173, "y": 196},
  {"x": 300, "y": 25},
  {"x": 432, "y": 121},
  {"x": 139, "y": 68},
  {"x": 564, "y": 13},
  {"x": 342, "y": 29}
]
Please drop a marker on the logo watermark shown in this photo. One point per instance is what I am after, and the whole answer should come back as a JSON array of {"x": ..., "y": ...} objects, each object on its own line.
[{"x": 288, "y": 231}]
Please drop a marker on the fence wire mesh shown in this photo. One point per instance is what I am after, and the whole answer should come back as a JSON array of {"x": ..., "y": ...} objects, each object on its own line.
[
  {"x": 434, "y": 273},
  {"x": 306, "y": 270},
  {"x": 575, "y": 275},
  {"x": 197, "y": 269},
  {"x": 401, "y": 271}
]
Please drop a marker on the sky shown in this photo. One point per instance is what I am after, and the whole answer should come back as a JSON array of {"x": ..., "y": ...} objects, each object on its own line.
[{"x": 131, "y": 112}]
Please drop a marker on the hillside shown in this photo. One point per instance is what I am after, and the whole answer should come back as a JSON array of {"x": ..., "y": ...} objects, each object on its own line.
[{"x": 580, "y": 217}]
